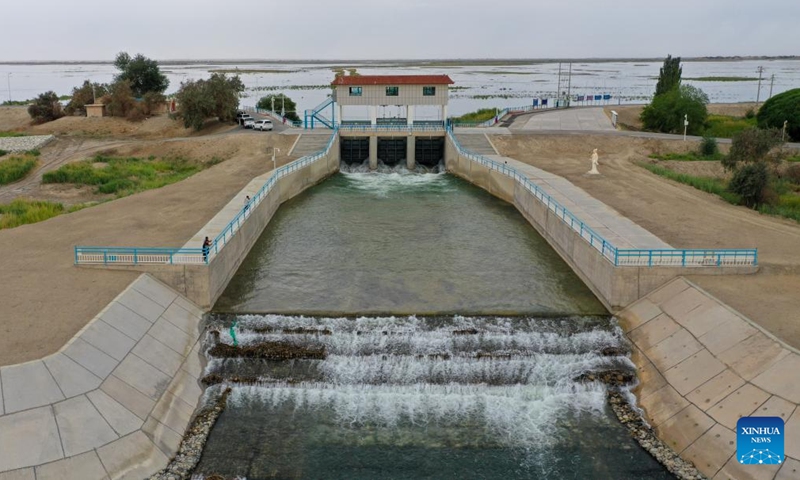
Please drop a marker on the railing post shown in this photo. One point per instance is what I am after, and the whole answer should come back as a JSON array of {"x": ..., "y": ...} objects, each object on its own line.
[
  {"x": 76, "y": 255},
  {"x": 135, "y": 256},
  {"x": 649, "y": 258},
  {"x": 683, "y": 258},
  {"x": 105, "y": 257}
]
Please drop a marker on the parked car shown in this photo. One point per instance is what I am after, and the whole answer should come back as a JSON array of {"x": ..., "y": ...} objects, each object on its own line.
[
  {"x": 248, "y": 122},
  {"x": 263, "y": 125},
  {"x": 241, "y": 117}
]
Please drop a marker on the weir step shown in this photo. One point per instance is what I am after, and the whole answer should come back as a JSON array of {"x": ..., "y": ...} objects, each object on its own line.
[
  {"x": 476, "y": 142},
  {"x": 309, "y": 144}
]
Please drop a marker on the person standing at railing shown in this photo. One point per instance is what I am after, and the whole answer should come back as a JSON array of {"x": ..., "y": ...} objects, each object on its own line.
[
  {"x": 206, "y": 249},
  {"x": 246, "y": 204}
]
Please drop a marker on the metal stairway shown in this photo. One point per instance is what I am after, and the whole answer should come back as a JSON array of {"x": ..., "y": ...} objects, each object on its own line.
[{"x": 316, "y": 114}]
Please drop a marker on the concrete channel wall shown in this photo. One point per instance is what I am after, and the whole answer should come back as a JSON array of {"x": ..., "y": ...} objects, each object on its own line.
[
  {"x": 203, "y": 284},
  {"x": 616, "y": 287},
  {"x": 114, "y": 402},
  {"x": 701, "y": 367}
]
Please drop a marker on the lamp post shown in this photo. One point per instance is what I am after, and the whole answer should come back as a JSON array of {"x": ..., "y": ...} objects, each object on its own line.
[
  {"x": 783, "y": 132},
  {"x": 685, "y": 125},
  {"x": 283, "y": 105},
  {"x": 273, "y": 157}
]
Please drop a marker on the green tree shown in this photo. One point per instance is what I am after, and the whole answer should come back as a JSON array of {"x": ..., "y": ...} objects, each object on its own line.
[
  {"x": 281, "y": 102},
  {"x": 85, "y": 95},
  {"x": 669, "y": 78},
  {"x": 784, "y": 107},
  {"x": 666, "y": 112},
  {"x": 750, "y": 183},
  {"x": 46, "y": 108},
  {"x": 217, "y": 97},
  {"x": 143, "y": 74},
  {"x": 752, "y": 145}
]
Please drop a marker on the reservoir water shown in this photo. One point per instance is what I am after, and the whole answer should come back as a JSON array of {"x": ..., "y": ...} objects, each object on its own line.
[{"x": 414, "y": 327}]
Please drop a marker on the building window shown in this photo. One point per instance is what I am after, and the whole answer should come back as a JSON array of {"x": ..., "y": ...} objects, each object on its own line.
[
  {"x": 355, "y": 91},
  {"x": 428, "y": 91},
  {"x": 392, "y": 91}
]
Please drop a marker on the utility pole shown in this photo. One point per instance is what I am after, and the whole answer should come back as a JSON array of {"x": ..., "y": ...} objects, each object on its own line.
[
  {"x": 758, "y": 95},
  {"x": 558, "y": 88},
  {"x": 283, "y": 105},
  {"x": 783, "y": 132},
  {"x": 771, "y": 84},
  {"x": 273, "y": 104},
  {"x": 569, "y": 84}
]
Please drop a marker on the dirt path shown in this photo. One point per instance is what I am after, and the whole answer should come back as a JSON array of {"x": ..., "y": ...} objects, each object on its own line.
[
  {"x": 45, "y": 299},
  {"x": 683, "y": 217}
]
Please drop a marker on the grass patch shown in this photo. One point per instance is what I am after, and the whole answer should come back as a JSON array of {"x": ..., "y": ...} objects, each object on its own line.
[
  {"x": 11, "y": 134},
  {"x": 723, "y": 79},
  {"x": 22, "y": 212},
  {"x": 481, "y": 115},
  {"x": 706, "y": 184},
  {"x": 723, "y": 126},
  {"x": 688, "y": 157},
  {"x": 793, "y": 159},
  {"x": 788, "y": 207},
  {"x": 16, "y": 168},
  {"x": 123, "y": 176}
]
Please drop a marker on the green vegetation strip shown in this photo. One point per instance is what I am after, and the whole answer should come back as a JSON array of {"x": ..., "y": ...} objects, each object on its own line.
[
  {"x": 481, "y": 115},
  {"x": 21, "y": 212},
  {"x": 688, "y": 157},
  {"x": 723, "y": 126},
  {"x": 16, "y": 168},
  {"x": 11, "y": 134},
  {"x": 123, "y": 176},
  {"x": 787, "y": 206}
]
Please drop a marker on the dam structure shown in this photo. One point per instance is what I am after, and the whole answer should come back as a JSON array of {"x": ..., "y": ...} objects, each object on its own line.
[{"x": 477, "y": 341}]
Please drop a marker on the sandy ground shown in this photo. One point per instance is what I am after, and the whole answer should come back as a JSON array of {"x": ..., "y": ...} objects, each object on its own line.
[
  {"x": 684, "y": 217},
  {"x": 629, "y": 114},
  {"x": 45, "y": 299}
]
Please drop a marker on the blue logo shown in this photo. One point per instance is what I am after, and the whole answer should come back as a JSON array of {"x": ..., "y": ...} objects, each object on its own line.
[{"x": 759, "y": 440}]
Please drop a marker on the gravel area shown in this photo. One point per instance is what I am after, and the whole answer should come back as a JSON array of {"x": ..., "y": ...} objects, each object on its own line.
[{"x": 23, "y": 144}]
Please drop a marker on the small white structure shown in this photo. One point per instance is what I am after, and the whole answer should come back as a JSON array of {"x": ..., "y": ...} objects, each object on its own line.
[{"x": 594, "y": 171}]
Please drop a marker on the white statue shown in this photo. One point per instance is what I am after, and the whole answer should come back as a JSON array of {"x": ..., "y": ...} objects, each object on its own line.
[{"x": 594, "y": 171}]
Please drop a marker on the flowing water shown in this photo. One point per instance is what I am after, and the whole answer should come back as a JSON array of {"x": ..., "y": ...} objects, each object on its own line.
[{"x": 476, "y": 393}]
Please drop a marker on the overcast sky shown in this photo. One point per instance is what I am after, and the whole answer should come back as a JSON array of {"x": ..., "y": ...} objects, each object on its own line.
[{"x": 380, "y": 29}]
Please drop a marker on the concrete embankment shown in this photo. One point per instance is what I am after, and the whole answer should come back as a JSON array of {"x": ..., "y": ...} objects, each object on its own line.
[
  {"x": 112, "y": 403},
  {"x": 702, "y": 366}
]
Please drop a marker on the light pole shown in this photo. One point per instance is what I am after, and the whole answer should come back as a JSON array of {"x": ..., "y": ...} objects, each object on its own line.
[
  {"x": 685, "y": 125},
  {"x": 783, "y": 132},
  {"x": 273, "y": 157},
  {"x": 283, "y": 105},
  {"x": 758, "y": 95}
]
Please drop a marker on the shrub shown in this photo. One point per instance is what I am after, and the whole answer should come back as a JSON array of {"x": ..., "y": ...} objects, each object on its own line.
[
  {"x": 281, "y": 101},
  {"x": 46, "y": 108},
  {"x": 119, "y": 102},
  {"x": 84, "y": 95},
  {"x": 666, "y": 112},
  {"x": 2, "y": 153},
  {"x": 15, "y": 168},
  {"x": 782, "y": 107},
  {"x": 793, "y": 173},
  {"x": 750, "y": 182},
  {"x": 750, "y": 114},
  {"x": 202, "y": 99},
  {"x": 752, "y": 145},
  {"x": 709, "y": 147},
  {"x": 722, "y": 126}
]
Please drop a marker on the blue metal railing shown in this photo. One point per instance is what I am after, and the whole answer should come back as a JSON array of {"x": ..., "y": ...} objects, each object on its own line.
[
  {"x": 350, "y": 127},
  {"x": 140, "y": 256},
  {"x": 619, "y": 257}
]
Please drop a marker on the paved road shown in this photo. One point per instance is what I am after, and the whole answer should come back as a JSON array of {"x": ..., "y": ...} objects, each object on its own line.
[
  {"x": 593, "y": 118},
  {"x": 278, "y": 126}
]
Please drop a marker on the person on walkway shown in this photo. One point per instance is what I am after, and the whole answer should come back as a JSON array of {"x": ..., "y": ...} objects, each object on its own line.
[
  {"x": 206, "y": 249},
  {"x": 246, "y": 203}
]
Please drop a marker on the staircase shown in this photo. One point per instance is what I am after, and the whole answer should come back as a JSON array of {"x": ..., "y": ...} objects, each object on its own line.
[
  {"x": 476, "y": 143},
  {"x": 309, "y": 144},
  {"x": 316, "y": 116}
]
